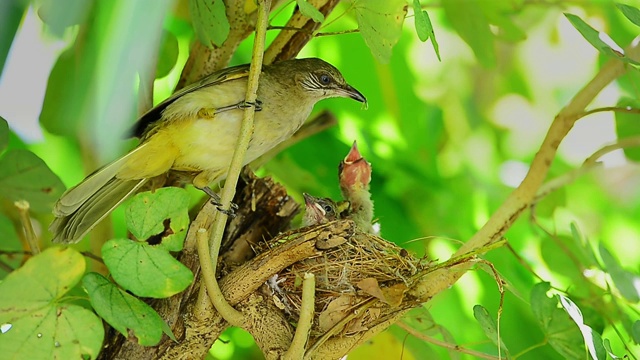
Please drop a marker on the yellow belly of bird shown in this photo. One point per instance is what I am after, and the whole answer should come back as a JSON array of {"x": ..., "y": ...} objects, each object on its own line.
[{"x": 204, "y": 145}]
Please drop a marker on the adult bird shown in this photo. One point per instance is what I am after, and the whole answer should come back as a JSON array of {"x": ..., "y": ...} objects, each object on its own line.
[{"x": 195, "y": 131}]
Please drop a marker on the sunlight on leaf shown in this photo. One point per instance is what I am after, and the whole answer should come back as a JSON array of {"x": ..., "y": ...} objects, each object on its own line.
[
  {"x": 35, "y": 325},
  {"x": 310, "y": 11},
  {"x": 591, "y": 338},
  {"x": 380, "y": 23},
  {"x": 563, "y": 334},
  {"x": 601, "y": 41},
  {"x": 158, "y": 274},
  {"x": 210, "y": 21},
  {"x": 123, "y": 311},
  {"x": 24, "y": 176}
]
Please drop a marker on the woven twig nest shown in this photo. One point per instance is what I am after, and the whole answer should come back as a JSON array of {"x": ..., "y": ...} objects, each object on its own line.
[{"x": 360, "y": 280}]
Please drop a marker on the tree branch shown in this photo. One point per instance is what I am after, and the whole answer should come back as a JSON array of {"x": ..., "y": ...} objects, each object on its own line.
[{"x": 522, "y": 197}]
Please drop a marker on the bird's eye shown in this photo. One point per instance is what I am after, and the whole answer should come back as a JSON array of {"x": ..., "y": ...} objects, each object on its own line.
[
  {"x": 328, "y": 209},
  {"x": 325, "y": 79}
]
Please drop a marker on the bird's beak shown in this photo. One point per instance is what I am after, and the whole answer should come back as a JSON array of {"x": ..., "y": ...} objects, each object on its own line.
[
  {"x": 350, "y": 91},
  {"x": 308, "y": 199}
]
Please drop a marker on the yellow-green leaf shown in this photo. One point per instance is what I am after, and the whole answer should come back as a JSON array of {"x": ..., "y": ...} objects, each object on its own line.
[
  {"x": 380, "y": 23},
  {"x": 310, "y": 11},
  {"x": 209, "y": 21},
  {"x": 24, "y": 176},
  {"x": 34, "y": 324}
]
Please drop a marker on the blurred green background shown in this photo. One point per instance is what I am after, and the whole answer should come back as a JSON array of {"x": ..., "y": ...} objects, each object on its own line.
[{"x": 448, "y": 140}]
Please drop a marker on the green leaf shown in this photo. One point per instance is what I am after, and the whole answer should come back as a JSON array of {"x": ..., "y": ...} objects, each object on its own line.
[
  {"x": 380, "y": 23},
  {"x": 421, "y": 20},
  {"x": 607, "y": 346},
  {"x": 24, "y": 176},
  {"x": 210, "y": 21},
  {"x": 4, "y": 134},
  {"x": 592, "y": 339},
  {"x": 562, "y": 333},
  {"x": 33, "y": 323},
  {"x": 468, "y": 19},
  {"x": 157, "y": 273},
  {"x": 310, "y": 11},
  {"x": 627, "y": 125},
  {"x": 488, "y": 325},
  {"x": 123, "y": 311},
  {"x": 168, "y": 54},
  {"x": 424, "y": 28},
  {"x": 61, "y": 14},
  {"x": 584, "y": 250},
  {"x": 11, "y": 13},
  {"x": 594, "y": 38},
  {"x": 62, "y": 106},
  {"x": 160, "y": 218},
  {"x": 633, "y": 14},
  {"x": 420, "y": 319},
  {"x": 635, "y": 331},
  {"x": 9, "y": 242},
  {"x": 624, "y": 281}
]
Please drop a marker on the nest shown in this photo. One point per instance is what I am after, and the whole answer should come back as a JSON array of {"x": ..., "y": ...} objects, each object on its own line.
[{"x": 360, "y": 280}]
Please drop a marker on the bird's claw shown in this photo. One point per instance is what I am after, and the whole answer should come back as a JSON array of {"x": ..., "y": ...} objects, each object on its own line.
[
  {"x": 247, "y": 104},
  {"x": 230, "y": 212}
]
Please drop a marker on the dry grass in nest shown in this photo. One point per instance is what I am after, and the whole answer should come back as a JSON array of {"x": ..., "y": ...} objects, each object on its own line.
[{"x": 348, "y": 277}]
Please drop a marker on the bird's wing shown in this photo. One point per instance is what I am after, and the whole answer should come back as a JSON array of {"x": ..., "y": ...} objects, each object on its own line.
[
  {"x": 218, "y": 77},
  {"x": 74, "y": 197},
  {"x": 72, "y": 227}
]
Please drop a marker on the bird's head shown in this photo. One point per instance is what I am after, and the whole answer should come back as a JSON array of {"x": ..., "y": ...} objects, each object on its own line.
[
  {"x": 319, "y": 79},
  {"x": 319, "y": 210}
]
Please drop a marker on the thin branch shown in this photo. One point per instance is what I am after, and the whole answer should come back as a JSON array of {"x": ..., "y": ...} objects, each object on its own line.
[
  {"x": 230, "y": 314},
  {"x": 307, "y": 310},
  {"x": 628, "y": 110},
  {"x": 520, "y": 199},
  {"x": 246, "y": 132},
  {"x": 589, "y": 164},
  {"x": 445, "y": 344},
  {"x": 25, "y": 219}
]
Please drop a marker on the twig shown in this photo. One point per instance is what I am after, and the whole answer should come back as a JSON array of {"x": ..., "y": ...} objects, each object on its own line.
[
  {"x": 628, "y": 110},
  {"x": 444, "y": 344},
  {"x": 25, "y": 219},
  {"x": 230, "y": 314},
  {"x": 520, "y": 199},
  {"x": 307, "y": 310},
  {"x": 590, "y": 163},
  {"x": 500, "y": 283},
  {"x": 246, "y": 132}
]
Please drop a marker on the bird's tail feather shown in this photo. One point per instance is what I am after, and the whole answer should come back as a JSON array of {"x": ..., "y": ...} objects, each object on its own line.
[
  {"x": 71, "y": 228},
  {"x": 83, "y": 206}
]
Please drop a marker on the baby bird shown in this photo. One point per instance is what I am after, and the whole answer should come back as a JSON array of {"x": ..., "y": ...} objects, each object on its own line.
[
  {"x": 319, "y": 210},
  {"x": 354, "y": 174}
]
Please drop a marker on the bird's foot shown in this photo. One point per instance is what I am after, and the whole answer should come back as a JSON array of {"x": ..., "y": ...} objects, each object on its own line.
[
  {"x": 207, "y": 113},
  {"x": 215, "y": 200},
  {"x": 241, "y": 105}
]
